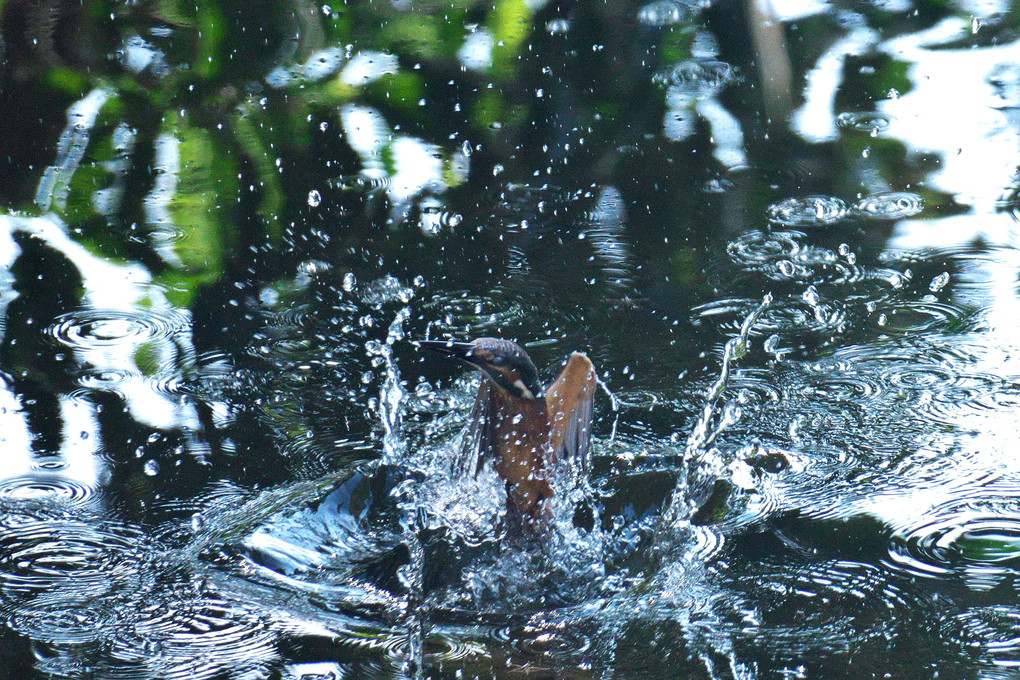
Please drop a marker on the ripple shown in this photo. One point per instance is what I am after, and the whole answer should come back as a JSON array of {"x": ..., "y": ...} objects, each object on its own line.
[
  {"x": 954, "y": 399},
  {"x": 871, "y": 122},
  {"x": 911, "y": 377},
  {"x": 41, "y": 554},
  {"x": 809, "y": 211},
  {"x": 168, "y": 233},
  {"x": 94, "y": 328},
  {"x": 833, "y": 605},
  {"x": 698, "y": 76},
  {"x": 291, "y": 319},
  {"x": 977, "y": 545},
  {"x": 917, "y": 317},
  {"x": 483, "y": 315},
  {"x": 827, "y": 266},
  {"x": 706, "y": 543},
  {"x": 893, "y": 205},
  {"x": 993, "y": 631},
  {"x": 172, "y": 384},
  {"x": 360, "y": 183},
  {"x": 197, "y": 637},
  {"x": 755, "y": 386},
  {"x": 780, "y": 256},
  {"x": 841, "y": 389},
  {"x": 106, "y": 379},
  {"x": 438, "y": 650},
  {"x": 545, "y": 641},
  {"x": 821, "y": 477},
  {"x": 826, "y": 317},
  {"x": 65, "y": 623},
  {"x": 446, "y": 650},
  {"x": 759, "y": 247},
  {"x": 47, "y": 486}
]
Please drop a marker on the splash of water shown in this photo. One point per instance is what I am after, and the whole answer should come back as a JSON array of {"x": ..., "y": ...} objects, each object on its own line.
[
  {"x": 391, "y": 393},
  {"x": 713, "y": 420}
]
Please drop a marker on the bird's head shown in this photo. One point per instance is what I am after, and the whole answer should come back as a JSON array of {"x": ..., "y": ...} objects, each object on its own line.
[{"x": 504, "y": 362}]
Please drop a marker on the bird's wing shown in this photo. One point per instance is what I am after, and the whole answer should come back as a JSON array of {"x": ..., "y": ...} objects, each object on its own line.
[
  {"x": 569, "y": 401},
  {"x": 476, "y": 447}
]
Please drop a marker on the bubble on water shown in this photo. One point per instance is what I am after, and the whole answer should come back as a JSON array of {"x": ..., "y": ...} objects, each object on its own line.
[
  {"x": 663, "y": 13},
  {"x": 809, "y": 211},
  {"x": 314, "y": 198},
  {"x": 871, "y": 122},
  {"x": 893, "y": 205},
  {"x": 698, "y": 76},
  {"x": 717, "y": 185}
]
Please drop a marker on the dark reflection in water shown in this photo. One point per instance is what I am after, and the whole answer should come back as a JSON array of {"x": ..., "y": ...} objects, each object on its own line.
[{"x": 222, "y": 226}]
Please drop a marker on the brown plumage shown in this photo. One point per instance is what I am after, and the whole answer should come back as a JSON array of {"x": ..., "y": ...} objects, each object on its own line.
[{"x": 522, "y": 429}]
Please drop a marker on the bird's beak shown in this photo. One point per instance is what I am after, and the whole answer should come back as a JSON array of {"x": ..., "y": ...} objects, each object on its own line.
[{"x": 457, "y": 350}]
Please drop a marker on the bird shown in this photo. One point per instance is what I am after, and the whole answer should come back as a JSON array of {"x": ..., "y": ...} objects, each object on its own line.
[{"x": 524, "y": 430}]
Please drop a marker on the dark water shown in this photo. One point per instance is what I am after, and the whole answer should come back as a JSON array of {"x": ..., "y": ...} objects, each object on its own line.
[{"x": 223, "y": 225}]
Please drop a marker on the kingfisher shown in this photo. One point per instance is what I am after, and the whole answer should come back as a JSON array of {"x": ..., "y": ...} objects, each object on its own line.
[{"x": 524, "y": 430}]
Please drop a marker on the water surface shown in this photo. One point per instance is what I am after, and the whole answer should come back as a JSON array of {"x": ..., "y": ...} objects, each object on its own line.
[{"x": 221, "y": 228}]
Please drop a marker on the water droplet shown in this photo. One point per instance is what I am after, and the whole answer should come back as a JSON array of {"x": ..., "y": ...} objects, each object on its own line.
[
  {"x": 151, "y": 467},
  {"x": 314, "y": 198},
  {"x": 558, "y": 26},
  {"x": 811, "y": 296},
  {"x": 939, "y": 282}
]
